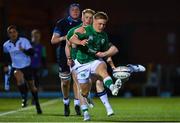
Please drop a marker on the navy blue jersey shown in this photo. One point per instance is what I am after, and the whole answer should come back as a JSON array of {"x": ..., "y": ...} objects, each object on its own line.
[{"x": 62, "y": 27}]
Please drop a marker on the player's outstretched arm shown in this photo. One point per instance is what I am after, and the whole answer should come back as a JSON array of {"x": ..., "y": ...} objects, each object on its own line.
[{"x": 110, "y": 52}]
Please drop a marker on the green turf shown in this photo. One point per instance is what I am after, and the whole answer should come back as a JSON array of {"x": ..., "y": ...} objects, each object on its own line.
[{"x": 132, "y": 109}]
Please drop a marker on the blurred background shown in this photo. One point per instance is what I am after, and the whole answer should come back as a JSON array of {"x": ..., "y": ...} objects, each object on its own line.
[{"x": 145, "y": 32}]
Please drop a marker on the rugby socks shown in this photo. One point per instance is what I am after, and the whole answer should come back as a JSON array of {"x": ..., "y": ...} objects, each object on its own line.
[
  {"x": 35, "y": 96},
  {"x": 77, "y": 106},
  {"x": 66, "y": 101},
  {"x": 23, "y": 90},
  {"x": 76, "y": 102},
  {"x": 108, "y": 82},
  {"x": 84, "y": 108},
  {"x": 104, "y": 99},
  {"x": 36, "y": 99}
]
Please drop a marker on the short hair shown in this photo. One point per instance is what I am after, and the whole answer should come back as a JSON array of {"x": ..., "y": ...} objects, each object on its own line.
[
  {"x": 35, "y": 31},
  {"x": 88, "y": 11},
  {"x": 11, "y": 27},
  {"x": 101, "y": 15},
  {"x": 74, "y": 5}
]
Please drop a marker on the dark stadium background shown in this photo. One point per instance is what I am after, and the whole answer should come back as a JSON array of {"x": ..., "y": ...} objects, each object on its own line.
[{"x": 145, "y": 32}]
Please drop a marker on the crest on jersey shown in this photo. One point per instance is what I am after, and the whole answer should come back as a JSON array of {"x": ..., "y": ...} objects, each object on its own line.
[
  {"x": 90, "y": 37},
  {"x": 102, "y": 41}
]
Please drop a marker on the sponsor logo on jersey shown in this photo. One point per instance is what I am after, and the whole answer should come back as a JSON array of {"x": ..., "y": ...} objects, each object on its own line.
[{"x": 102, "y": 41}]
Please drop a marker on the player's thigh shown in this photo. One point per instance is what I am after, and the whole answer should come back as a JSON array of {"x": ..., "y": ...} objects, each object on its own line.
[
  {"x": 82, "y": 72},
  {"x": 18, "y": 74},
  {"x": 64, "y": 72},
  {"x": 28, "y": 73},
  {"x": 94, "y": 78},
  {"x": 83, "y": 76},
  {"x": 100, "y": 68},
  {"x": 74, "y": 76},
  {"x": 97, "y": 65}
]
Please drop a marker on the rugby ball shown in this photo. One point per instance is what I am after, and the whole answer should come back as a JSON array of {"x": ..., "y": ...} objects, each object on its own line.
[
  {"x": 121, "y": 75},
  {"x": 122, "y": 69}
]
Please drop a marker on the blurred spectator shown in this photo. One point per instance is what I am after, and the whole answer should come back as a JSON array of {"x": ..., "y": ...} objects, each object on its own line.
[{"x": 38, "y": 60}]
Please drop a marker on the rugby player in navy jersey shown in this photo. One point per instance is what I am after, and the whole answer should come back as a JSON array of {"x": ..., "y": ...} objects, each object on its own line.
[{"x": 59, "y": 37}]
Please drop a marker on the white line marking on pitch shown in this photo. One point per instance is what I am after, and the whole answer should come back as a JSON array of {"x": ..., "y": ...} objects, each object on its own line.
[{"x": 30, "y": 107}]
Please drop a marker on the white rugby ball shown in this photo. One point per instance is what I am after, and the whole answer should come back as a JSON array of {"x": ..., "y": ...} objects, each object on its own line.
[{"x": 121, "y": 75}]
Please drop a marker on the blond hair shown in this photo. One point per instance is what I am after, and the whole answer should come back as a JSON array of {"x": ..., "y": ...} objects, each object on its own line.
[
  {"x": 101, "y": 15},
  {"x": 88, "y": 11},
  {"x": 34, "y": 31}
]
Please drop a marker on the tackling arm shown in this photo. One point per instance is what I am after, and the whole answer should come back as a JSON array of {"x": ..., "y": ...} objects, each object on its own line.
[
  {"x": 56, "y": 38},
  {"x": 110, "y": 52},
  {"x": 68, "y": 53},
  {"x": 75, "y": 39}
]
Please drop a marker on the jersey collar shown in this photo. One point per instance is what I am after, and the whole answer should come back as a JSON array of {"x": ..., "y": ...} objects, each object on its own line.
[
  {"x": 14, "y": 42},
  {"x": 70, "y": 19}
]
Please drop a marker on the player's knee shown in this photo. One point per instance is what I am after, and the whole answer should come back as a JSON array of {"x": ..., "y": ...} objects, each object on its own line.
[
  {"x": 33, "y": 89},
  {"x": 102, "y": 70},
  {"x": 84, "y": 92},
  {"x": 84, "y": 95},
  {"x": 32, "y": 86},
  {"x": 18, "y": 74}
]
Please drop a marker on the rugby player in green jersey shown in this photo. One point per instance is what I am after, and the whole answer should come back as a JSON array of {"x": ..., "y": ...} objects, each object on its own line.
[
  {"x": 87, "y": 17},
  {"x": 92, "y": 45}
]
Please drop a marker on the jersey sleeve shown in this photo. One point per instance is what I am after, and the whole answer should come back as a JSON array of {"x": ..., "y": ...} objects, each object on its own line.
[
  {"x": 81, "y": 36},
  {"x": 5, "y": 50},
  {"x": 57, "y": 28},
  {"x": 26, "y": 44},
  {"x": 70, "y": 33},
  {"x": 6, "y": 56},
  {"x": 106, "y": 44}
]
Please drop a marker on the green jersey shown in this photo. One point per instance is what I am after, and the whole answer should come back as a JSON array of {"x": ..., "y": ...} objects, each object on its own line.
[
  {"x": 69, "y": 35},
  {"x": 97, "y": 42}
]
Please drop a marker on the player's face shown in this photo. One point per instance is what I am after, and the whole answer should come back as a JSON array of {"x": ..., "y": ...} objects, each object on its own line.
[
  {"x": 74, "y": 12},
  {"x": 99, "y": 24},
  {"x": 13, "y": 34},
  {"x": 87, "y": 19},
  {"x": 36, "y": 37}
]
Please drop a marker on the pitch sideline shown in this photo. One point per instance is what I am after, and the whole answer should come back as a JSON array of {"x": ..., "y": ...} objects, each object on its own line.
[{"x": 28, "y": 108}]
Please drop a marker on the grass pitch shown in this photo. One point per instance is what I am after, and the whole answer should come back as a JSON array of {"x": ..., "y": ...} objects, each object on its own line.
[{"x": 126, "y": 109}]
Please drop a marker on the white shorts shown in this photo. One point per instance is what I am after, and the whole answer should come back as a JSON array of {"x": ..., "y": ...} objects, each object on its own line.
[{"x": 84, "y": 71}]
